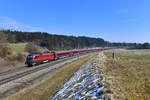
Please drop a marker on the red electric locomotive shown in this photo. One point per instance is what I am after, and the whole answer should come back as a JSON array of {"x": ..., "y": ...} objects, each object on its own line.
[{"x": 39, "y": 58}]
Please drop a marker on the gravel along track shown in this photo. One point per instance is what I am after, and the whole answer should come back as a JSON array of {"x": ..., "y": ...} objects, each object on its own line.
[
  {"x": 18, "y": 73},
  {"x": 5, "y": 73},
  {"x": 85, "y": 84},
  {"x": 12, "y": 71},
  {"x": 23, "y": 68},
  {"x": 17, "y": 80}
]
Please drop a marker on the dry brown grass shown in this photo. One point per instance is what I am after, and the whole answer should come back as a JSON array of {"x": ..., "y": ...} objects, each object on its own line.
[
  {"x": 129, "y": 74},
  {"x": 44, "y": 89}
]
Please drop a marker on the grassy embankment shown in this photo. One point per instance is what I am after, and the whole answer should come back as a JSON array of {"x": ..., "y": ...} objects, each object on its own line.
[
  {"x": 18, "y": 47},
  {"x": 44, "y": 89},
  {"x": 130, "y": 73},
  {"x": 12, "y": 54}
]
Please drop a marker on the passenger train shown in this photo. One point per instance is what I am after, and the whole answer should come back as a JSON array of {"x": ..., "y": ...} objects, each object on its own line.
[{"x": 39, "y": 58}]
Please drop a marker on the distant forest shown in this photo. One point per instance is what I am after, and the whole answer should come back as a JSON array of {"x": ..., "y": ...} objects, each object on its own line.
[{"x": 56, "y": 42}]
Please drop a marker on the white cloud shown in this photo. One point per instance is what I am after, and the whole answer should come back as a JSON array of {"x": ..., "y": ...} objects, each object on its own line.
[
  {"x": 9, "y": 23},
  {"x": 122, "y": 11},
  {"x": 129, "y": 20}
]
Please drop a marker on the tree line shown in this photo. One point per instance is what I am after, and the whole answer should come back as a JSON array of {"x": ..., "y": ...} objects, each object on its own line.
[
  {"x": 53, "y": 41},
  {"x": 59, "y": 42}
]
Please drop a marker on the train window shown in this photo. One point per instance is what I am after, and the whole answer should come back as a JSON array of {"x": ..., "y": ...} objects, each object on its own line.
[{"x": 29, "y": 57}]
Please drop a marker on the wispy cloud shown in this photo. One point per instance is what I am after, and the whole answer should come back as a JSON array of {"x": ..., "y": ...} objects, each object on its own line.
[
  {"x": 125, "y": 17},
  {"x": 122, "y": 11},
  {"x": 9, "y": 23}
]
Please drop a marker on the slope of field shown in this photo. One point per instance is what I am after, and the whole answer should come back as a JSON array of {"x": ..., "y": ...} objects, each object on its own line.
[
  {"x": 18, "y": 47},
  {"x": 129, "y": 74}
]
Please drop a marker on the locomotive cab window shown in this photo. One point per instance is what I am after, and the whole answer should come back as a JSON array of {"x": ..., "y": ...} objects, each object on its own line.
[{"x": 29, "y": 57}]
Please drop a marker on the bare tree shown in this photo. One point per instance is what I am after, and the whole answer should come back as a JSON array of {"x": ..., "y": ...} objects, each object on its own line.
[
  {"x": 2, "y": 37},
  {"x": 31, "y": 47}
]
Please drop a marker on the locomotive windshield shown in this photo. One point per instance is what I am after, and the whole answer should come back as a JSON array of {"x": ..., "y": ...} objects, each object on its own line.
[{"x": 29, "y": 57}]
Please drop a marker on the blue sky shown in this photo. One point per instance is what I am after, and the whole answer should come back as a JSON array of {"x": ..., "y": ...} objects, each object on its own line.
[{"x": 113, "y": 20}]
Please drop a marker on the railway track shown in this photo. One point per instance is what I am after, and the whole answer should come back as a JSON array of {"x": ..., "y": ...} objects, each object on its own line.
[
  {"x": 26, "y": 71},
  {"x": 12, "y": 71}
]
